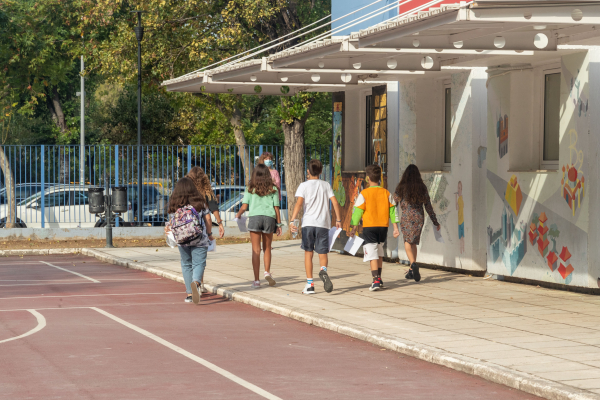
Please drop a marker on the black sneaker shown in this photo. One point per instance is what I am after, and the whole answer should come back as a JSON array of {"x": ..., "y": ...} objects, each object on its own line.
[
  {"x": 376, "y": 285},
  {"x": 416, "y": 273},
  {"x": 188, "y": 299},
  {"x": 409, "y": 274},
  {"x": 326, "y": 281},
  {"x": 381, "y": 283}
]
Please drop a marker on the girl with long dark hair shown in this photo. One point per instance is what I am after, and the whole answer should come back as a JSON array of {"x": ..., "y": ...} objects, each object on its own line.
[
  {"x": 262, "y": 198},
  {"x": 193, "y": 252},
  {"x": 412, "y": 196}
]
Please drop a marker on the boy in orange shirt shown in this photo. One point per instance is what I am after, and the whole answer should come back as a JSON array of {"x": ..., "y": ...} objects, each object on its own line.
[{"x": 376, "y": 206}]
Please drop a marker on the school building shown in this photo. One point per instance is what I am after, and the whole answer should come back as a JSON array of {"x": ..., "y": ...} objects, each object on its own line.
[{"x": 494, "y": 101}]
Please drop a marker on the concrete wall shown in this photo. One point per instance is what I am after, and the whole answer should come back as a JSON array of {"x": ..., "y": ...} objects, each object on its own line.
[{"x": 538, "y": 220}]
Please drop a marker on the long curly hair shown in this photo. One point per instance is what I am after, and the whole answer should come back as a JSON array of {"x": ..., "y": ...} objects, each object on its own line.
[
  {"x": 411, "y": 187},
  {"x": 201, "y": 182},
  {"x": 184, "y": 194},
  {"x": 261, "y": 182}
]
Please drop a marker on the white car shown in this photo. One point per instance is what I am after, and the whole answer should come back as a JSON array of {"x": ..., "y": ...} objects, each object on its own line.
[
  {"x": 232, "y": 206},
  {"x": 65, "y": 206}
]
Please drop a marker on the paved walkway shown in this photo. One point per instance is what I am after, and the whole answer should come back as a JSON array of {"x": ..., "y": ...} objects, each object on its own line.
[{"x": 543, "y": 341}]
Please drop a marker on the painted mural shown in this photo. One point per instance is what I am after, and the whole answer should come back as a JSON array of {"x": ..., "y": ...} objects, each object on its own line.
[
  {"x": 338, "y": 187},
  {"x": 502, "y": 135},
  {"x": 460, "y": 207},
  {"x": 537, "y": 223}
]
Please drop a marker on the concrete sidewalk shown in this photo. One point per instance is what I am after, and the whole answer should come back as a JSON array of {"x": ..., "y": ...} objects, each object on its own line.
[{"x": 541, "y": 341}]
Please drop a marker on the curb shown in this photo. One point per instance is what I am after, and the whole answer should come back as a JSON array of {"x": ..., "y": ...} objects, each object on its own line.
[
  {"x": 38, "y": 252},
  {"x": 481, "y": 368}
]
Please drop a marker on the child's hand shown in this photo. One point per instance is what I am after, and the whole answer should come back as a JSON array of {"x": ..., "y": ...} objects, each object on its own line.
[
  {"x": 278, "y": 231},
  {"x": 211, "y": 237},
  {"x": 167, "y": 229},
  {"x": 294, "y": 228},
  {"x": 338, "y": 224},
  {"x": 221, "y": 230},
  {"x": 396, "y": 232},
  {"x": 438, "y": 227},
  {"x": 238, "y": 215},
  {"x": 353, "y": 231}
]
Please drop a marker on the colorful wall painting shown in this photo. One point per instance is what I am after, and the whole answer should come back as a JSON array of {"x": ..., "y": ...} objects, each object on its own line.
[
  {"x": 338, "y": 123},
  {"x": 576, "y": 89},
  {"x": 460, "y": 207},
  {"x": 514, "y": 195},
  {"x": 502, "y": 135}
]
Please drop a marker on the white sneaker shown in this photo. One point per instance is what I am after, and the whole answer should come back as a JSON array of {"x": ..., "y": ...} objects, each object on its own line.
[
  {"x": 255, "y": 285},
  {"x": 308, "y": 289},
  {"x": 202, "y": 288},
  {"x": 269, "y": 278}
]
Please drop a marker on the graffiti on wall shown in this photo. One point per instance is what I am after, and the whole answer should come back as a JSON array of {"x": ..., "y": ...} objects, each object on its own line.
[
  {"x": 576, "y": 92},
  {"x": 502, "y": 135},
  {"x": 338, "y": 187},
  {"x": 514, "y": 195},
  {"x": 573, "y": 182},
  {"x": 460, "y": 207},
  {"x": 540, "y": 233}
]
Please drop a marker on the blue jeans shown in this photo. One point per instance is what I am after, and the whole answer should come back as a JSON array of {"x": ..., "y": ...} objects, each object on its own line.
[{"x": 193, "y": 262}]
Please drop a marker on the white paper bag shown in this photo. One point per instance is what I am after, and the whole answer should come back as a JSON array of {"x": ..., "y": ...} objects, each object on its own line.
[
  {"x": 438, "y": 234},
  {"x": 213, "y": 245},
  {"x": 353, "y": 245},
  {"x": 171, "y": 240},
  {"x": 333, "y": 235},
  {"x": 241, "y": 223}
]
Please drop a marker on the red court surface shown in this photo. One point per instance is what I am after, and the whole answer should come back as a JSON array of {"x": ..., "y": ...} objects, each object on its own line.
[{"x": 82, "y": 329}]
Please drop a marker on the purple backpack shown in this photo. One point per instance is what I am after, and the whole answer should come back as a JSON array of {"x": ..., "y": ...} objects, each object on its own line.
[{"x": 186, "y": 225}]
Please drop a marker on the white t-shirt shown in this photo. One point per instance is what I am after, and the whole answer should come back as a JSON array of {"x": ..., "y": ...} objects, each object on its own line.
[{"x": 316, "y": 194}]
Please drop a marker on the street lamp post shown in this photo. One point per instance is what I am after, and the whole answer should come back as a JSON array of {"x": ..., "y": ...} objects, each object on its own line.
[{"x": 139, "y": 35}]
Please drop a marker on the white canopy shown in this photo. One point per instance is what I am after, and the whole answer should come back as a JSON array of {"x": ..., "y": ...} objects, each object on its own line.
[{"x": 484, "y": 33}]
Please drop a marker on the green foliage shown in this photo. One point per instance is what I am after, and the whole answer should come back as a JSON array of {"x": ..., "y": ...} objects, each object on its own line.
[{"x": 41, "y": 44}]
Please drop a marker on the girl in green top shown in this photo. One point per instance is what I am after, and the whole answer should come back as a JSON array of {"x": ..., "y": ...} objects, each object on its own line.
[{"x": 262, "y": 197}]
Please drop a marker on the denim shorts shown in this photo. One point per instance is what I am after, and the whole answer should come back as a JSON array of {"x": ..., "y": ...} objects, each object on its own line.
[
  {"x": 262, "y": 223},
  {"x": 315, "y": 239}
]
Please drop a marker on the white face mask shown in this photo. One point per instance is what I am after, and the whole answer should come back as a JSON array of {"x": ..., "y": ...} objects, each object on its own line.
[{"x": 269, "y": 163}]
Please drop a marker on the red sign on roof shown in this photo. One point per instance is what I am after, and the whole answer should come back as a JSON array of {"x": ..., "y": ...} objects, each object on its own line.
[{"x": 417, "y": 5}]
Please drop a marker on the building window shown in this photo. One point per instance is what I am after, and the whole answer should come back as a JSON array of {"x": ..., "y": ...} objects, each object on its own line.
[
  {"x": 551, "y": 118},
  {"x": 448, "y": 126},
  {"x": 376, "y": 149}
]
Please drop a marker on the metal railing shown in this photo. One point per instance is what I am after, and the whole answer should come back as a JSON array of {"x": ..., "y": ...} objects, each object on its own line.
[{"x": 50, "y": 190}]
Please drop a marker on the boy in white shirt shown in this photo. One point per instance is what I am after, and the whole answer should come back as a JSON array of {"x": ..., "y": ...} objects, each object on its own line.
[{"x": 315, "y": 194}]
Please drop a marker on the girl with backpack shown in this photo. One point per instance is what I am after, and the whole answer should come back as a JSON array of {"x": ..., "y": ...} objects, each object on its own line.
[
  {"x": 190, "y": 223},
  {"x": 412, "y": 196},
  {"x": 262, "y": 197},
  {"x": 202, "y": 183}
]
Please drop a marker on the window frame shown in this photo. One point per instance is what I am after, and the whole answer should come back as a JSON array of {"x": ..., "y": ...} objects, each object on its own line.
[
  {"x": 551, "y": 165},
  {"x": 446, "y": 166}
]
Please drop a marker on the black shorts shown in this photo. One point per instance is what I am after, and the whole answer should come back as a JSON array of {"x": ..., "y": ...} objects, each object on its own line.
[
  {"x": 375, "y": 234},
  {"x": 315, "y": 239},
  {"x": 262, "y": 224}
]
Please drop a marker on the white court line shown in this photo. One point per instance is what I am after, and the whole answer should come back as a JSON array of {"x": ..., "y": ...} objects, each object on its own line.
[
  {"x": 88, "y": 295},
  {"x": 68, "y": 280},
  {"x": 41, "y": 325},
  {"x": 75, "y": 273},
  {"x": 49, "y": 283},
  {"x": 207, "y": 364}
]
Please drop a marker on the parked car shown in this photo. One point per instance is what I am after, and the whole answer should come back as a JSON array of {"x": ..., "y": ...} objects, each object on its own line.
[
  {"x": 226, "y": 192},
  {"x": 150, "y": 192},
  {"x": 65, "y": 206},
  {"x": 22, "y": 191},
  {"x": 232, "y": 206}
]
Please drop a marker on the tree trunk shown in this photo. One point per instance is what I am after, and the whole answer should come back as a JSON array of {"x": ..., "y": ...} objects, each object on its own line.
[
  {"x": 240, "y": 141},
  {"x": 57, "y": 112},
  {"x": 9, "y": 181},
  {"x": 293, "y": 155}
]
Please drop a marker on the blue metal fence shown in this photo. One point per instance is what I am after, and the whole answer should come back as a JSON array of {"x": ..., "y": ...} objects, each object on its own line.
[{"x": 51, "y": 191}]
